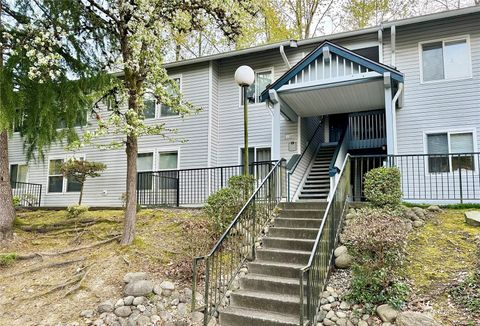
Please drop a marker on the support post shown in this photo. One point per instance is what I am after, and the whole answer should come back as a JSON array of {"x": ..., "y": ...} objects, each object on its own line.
[
  {"x": 276, "y": 155},
  {"x": 389, "y": 114}
]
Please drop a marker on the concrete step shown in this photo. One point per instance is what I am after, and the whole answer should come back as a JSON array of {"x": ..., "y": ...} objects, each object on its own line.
[
  {"x": 289, "y": 243},
  {"x": 284, "y": 255},
  {"x": 303, "y": 205},
  {"x": 297, "y": 233},
  {"x": 312, "y": 191},
  {"x": 271, "y": 302},
  {"x": 270, "y": 268},
  {"x": 297, "y": 222},
  {"x": 233, "y": 316},
  {"x": 313, "y": 196},
  {"x": 317, "y": 185},
  {"x": 274, "y": 284},
  {"x": 302, "y": 212}
]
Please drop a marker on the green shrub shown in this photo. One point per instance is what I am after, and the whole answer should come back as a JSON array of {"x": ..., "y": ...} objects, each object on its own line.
[
  {"x": 383, "y": 187},
  {"x": 377, "y": 238},
  {"x": 74, "y": 211},
  {"x": 223, "y": 205},
  {"x": 7, "y": 259},
  {"x": 16, "y": 201}
]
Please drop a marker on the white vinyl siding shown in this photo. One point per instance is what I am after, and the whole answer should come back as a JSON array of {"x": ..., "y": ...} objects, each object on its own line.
[{"x": 445, "y": 59}]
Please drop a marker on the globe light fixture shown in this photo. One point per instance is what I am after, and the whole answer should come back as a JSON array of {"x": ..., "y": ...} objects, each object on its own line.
[{"x": 244, "y": 77}]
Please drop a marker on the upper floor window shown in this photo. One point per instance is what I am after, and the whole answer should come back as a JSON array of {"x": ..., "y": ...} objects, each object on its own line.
[
  {"x": 152, "y": 109},
  {"x": 443, "y": 60},
  {"x": 262, "y": 79},
  {"x": 459, "y": 143}
]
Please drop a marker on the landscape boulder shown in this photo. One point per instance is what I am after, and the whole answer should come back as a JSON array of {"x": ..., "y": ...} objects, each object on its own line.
[
  {"x": 387, "y": 313},
  {"x": 106, "y": 306},
  {"x": 343, "y": 261},
  {"x": 472, "y": 218},
  {"x": 411, "y": 318},
  {"x": 340, "y": 250},
  {"x": 136, "y": 276},
  {"x": 139, "y": 288}
]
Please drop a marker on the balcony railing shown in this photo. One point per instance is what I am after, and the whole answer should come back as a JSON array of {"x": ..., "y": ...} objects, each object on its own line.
[
  {"x": 27, "y": 194},
  {"x": 425, "y": 177},
  {"x": 190, "y": 186}
]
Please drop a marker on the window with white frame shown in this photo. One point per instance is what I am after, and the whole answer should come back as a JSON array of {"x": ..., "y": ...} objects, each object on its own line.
[
  {"x": 57, "y": 183},
  {"x": 444, "y": 60},
  {"x": 262, "y": 79},
  {"x": 145, "y": 164},
  {"x": 440, "y": 144},
  {"x": 257, "y": 154},
  {"x": 168, "y": 160},
  {"x": 18, "y": 174},
  {"x": 152, "y": 109}
]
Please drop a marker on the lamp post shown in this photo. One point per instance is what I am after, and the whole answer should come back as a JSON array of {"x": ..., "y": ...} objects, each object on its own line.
[{"x": 244, "y": 77}]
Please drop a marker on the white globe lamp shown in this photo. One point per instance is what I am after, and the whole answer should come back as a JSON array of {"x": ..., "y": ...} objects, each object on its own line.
[{"x": 244, "y": 76}]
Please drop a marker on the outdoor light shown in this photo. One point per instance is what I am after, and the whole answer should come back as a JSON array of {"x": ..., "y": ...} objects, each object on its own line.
[{"x": 244, "y": 77}]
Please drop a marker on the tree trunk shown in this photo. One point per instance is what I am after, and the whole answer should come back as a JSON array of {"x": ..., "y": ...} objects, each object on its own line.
[
  {"x": 131, "y": 202},
  {"x": 7, "y": 211},
  {"x": 81, "y": 194}
]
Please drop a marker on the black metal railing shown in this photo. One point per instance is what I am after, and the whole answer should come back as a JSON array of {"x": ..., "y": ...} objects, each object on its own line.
[
  {"x": 305, "y": 160},
  {"x": 190, "y": 186},
  {"x": 434, "y": 177},
  {"x": 238, "y": 242},
  {"x": 313, "y": 276},
  {"x": 27, "y": 194}
]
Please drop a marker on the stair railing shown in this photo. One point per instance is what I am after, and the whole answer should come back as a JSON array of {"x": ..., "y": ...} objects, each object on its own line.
[
  {"x": 238, "y": 243},
  {"x": 338, "y": 157},
  {"x": 313, "y": 276},
  {"x": 305, "y": 159}
]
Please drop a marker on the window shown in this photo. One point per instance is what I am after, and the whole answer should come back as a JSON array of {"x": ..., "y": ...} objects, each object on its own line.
[
  {"x": 80, "y": 121},
  {"x": 256, "y": 155},
  {"x": 55, "y": 176},
  {"x": 150, "y": 105},
  {"x": 443, "y": 60},
  {"x": 72, "y": 184},
  {"x": 145, "y": 164},
  {"x": 440, "y": 144},
  {"x": 168, "y": 160},
  {"x": 262, "y": 80},
  {"x": 18, "y": 174}
]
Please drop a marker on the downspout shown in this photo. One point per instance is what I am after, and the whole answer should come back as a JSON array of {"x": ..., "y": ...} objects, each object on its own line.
[
  {"x": 284, "y": 56},
  {"x": 394, "y": 113},
  {"x": 380, "y": 44},
  {"x": 393, "y": 42}
]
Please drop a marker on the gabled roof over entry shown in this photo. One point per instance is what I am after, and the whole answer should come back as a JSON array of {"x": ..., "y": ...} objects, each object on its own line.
[{"x": 326, "y": 64}]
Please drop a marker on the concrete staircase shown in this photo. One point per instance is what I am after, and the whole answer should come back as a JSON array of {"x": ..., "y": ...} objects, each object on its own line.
[
  {"x": 269, "y": 293},
  {"x": 317, "y": 184}
]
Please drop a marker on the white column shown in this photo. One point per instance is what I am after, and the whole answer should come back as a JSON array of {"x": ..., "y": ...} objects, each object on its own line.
[
  {"x": 276, "y": 155},
  {"x": 389, "y": 115}
]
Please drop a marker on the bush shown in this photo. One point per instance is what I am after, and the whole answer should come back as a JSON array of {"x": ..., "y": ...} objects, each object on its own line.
[
  {"x": 74, "y": 211},
  {"x": 16, "y": 201},
  {"x": 223, "y": 205},
  {"x": 383, "y": 187},
  {"x": 377, "y": 238}
]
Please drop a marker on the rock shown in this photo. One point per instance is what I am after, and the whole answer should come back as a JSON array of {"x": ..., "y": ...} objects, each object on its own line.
[
  {"x": 174, "y": 302},
  {"x": 343, "y": 261},
  {"x": 155, "y": 319},
  {"x": 128, "y": 300},
  {"x": 472, "y": 218},
  {"x": 141, "y": 308},
  {"x": 157, "y": 289},
  {"x": 410, "y": 214},
  {"x": 417, "y": 224},
  {"x": 138, "y": 300},
  {"x": 123, "y": 311},
  {"x": 197, "y": 317},
  {"x": 139, "y": 288},
  {"x": 331, "y": 299},
  {"x": 328, "y": 322},
  {"x": 143, "y": 321},
  {"x": 87, "y": 313},
  {"x": 106, "y": 306},
  {"x": 419, "y": 212},
  {"x": 119, "y": 303},
  {"x": 182, "y": 309},
  {"x": 330, "y": 314},
  {"x": 166, "y": 316},
  {"x": 340, "y": 251},
  {"x": 362, "y": 323},
  {"x": 387, "y": 313},
  {"x": 411, "y": 318},
  {"x": 137, "y": 276},
  {"x": 344, "y": 305},
  {"x": 434, "y": 208},
  {"x": 167, "y": 285},
  {"x": 341, "y": 314},
  {"x": 341, "y": 322}
]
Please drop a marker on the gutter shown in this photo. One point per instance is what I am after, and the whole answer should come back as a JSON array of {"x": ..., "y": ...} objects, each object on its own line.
[{"x": 284, "y": 56}]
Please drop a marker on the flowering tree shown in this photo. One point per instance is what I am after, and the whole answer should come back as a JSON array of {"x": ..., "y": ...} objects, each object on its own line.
[{"x": 130, "y": 38}]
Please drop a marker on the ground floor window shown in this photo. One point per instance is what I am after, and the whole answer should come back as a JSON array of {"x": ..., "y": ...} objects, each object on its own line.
[
  {"x": 257, "y": 154},
  {"x": 440, "y": 144},
  {"x": 168, "y": 160},
  {"x": 57, "y": 183},
  {"x": 18, "y": 174},
  {"x": 145, "y": 164}
]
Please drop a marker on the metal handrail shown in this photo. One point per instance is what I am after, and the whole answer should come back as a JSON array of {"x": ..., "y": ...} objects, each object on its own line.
[
  {"x": 297, "y": 162},
  {"x": 332, "y": 233},
  {"x": 268, "y": 188},
  {"x": 332, "y": 170}
]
